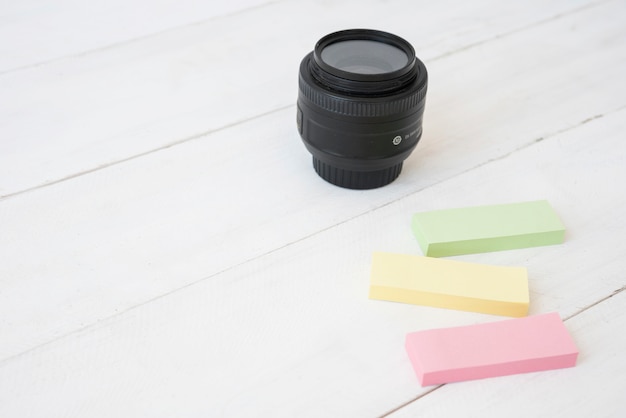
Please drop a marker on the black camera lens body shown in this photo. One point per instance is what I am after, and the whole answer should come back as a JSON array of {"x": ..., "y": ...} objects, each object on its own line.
[{"x": 360, "y": 105}]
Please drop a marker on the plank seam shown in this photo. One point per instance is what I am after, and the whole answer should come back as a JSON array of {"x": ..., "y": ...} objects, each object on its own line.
[
  {"x": 145, "y": 153},
  {"x": 586, "y": 308},
  {"x": 133, "y": 40},
  {"x": 181, "y": 141},
  {"x": 541, "y": 22},
  {"x": 265, "y": 254}
]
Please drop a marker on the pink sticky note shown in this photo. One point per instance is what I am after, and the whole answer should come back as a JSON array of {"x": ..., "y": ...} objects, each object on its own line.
[{"x": 528, "y": 344}]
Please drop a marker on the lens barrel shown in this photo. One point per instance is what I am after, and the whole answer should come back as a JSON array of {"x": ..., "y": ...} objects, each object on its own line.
[{"x": 360, "y": 105}]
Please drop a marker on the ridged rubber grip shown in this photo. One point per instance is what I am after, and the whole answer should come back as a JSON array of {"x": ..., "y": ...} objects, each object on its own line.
[{"x": 356, "y": 179}]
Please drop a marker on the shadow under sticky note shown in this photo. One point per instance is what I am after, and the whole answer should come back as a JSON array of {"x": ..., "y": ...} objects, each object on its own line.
[
  {"x": 487, "y": 228},
  {"x": 449, "y": 284},
  {"x": 513, "y": 346}
]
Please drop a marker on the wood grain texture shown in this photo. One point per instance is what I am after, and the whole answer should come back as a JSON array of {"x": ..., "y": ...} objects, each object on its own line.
[
  {"x": 83, "y": 112},
  {"x": 293, "y": 333},
  {"x": 167, "y": 250},
  {"x": 119, "y": 237},
  {"x": 559, "y": 393},
  {"x": 35, "y": 32}
]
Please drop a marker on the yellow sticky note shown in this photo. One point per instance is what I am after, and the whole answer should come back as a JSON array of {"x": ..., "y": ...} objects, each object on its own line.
[{"x": 449, "y": 284}]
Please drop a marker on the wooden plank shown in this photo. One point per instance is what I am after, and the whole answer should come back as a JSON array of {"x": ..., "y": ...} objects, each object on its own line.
[
  {"x": 593, "y": 388},
  {"x": 85, "y": 112},
  {"x": 292, "y": 333},
  {"x": 34, "y": 32},
  {"x": 106, "y": 242}
]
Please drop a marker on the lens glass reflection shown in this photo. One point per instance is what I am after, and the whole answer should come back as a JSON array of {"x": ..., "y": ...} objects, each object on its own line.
[{"x": 364, "y": 57}]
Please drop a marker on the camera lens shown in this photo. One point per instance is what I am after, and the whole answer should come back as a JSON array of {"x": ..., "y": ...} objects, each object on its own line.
[{"x": 360, "y": 105}]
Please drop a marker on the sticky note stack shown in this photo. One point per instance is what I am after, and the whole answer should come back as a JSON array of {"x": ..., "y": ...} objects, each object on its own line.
[
  {"x": 485, "y": 350},
  {"x": 449, "y": 284},
  {"x": 481, "y": 229},
  {"x": 513, "y": 346}
]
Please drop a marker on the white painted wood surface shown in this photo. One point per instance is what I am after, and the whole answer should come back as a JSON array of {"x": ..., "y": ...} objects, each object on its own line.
[{"x": 167, "y": 250}]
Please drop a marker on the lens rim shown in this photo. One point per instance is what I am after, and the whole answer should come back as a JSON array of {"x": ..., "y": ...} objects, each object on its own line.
[{"x": 365, "y": 35}]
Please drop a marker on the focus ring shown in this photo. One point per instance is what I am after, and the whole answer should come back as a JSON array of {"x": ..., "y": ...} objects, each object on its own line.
[{"x": 345, "y": 106}]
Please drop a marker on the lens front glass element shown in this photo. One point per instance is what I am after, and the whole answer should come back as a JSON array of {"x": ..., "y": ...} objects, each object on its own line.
[{"x": 364, "y": 57}]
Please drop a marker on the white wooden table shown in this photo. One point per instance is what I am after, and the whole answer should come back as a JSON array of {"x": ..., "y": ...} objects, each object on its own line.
[{"x": 166, "y": 249}]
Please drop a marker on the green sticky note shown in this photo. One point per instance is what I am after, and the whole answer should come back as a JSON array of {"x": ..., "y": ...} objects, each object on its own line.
[{"x": 482, "y": 229}]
